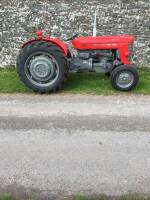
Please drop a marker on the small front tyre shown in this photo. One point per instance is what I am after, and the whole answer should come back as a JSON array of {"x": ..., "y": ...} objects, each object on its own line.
[{"x": 124, "y": 78}]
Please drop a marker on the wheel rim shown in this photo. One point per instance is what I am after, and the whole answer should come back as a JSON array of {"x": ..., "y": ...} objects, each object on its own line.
[
  {"x": 42, "y": 69},
  {"x": 125, "y": 79}
]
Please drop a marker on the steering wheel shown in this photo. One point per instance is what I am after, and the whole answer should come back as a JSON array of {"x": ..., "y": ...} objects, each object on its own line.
[{"x": 72, "y": 37}]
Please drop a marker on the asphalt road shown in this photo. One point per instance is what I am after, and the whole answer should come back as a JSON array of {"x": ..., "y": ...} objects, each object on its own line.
[{"x": 75, "y": 144}]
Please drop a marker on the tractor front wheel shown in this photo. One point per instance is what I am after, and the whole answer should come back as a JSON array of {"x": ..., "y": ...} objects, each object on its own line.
[
  {"x": 42, "y": 67},
  {"x": 124, "y": 78}
]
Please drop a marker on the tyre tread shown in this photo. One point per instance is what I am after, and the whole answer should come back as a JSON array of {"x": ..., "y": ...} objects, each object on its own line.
[{"x": 46, "y": 46}]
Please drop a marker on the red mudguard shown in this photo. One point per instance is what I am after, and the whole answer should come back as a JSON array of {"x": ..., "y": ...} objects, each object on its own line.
[{"x": 53, "y": 40}]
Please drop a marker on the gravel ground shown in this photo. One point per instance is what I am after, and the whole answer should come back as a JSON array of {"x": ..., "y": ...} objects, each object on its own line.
[{"x": 75, "y": 144}]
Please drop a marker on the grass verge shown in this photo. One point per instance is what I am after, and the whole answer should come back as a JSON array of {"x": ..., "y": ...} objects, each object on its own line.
[
  {"x": 102, "y": 197},
  {"x": 81, "y": 83}
]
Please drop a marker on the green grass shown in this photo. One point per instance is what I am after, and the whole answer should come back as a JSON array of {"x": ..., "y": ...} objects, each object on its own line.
[
  {"x": 102, "y": 197},
  {"x": 81, "y": 83},
  {"x": 7, "y": 197}
]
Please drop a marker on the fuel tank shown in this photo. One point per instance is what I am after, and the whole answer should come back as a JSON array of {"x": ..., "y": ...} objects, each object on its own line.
[{"x": 101, "y": 42}]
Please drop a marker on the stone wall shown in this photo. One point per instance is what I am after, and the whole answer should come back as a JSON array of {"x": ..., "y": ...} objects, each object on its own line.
[{"x": 20, "y": 18}]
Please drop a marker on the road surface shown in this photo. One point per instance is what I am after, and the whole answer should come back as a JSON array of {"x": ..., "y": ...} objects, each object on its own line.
[{"x": 75, "y": 144}]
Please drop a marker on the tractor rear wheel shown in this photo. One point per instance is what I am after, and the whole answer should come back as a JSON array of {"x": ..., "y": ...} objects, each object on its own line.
[
  {"x": 124, "y": 78},
  {"x": 42, "y": 67}
]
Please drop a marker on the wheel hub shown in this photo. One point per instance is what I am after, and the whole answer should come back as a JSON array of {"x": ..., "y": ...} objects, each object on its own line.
[
  {"x": 125, "y": 79},
  {"x": 41, "y": 68}
]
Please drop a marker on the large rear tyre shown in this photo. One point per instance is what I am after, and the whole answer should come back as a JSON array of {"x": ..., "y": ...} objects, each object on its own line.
[
  {"x": 124, "y": 78},
  {"x": 42, "y": 67}
]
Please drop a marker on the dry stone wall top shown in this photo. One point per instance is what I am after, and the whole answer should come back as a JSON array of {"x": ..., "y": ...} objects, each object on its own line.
[{"x": 20, "y": 18}]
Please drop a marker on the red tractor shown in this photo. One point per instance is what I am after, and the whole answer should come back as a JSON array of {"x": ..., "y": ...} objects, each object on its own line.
[{"x": 44, "y": 62}]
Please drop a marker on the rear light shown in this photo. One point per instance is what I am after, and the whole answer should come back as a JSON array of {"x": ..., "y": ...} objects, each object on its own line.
[{"x": 39, "y": 34}]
